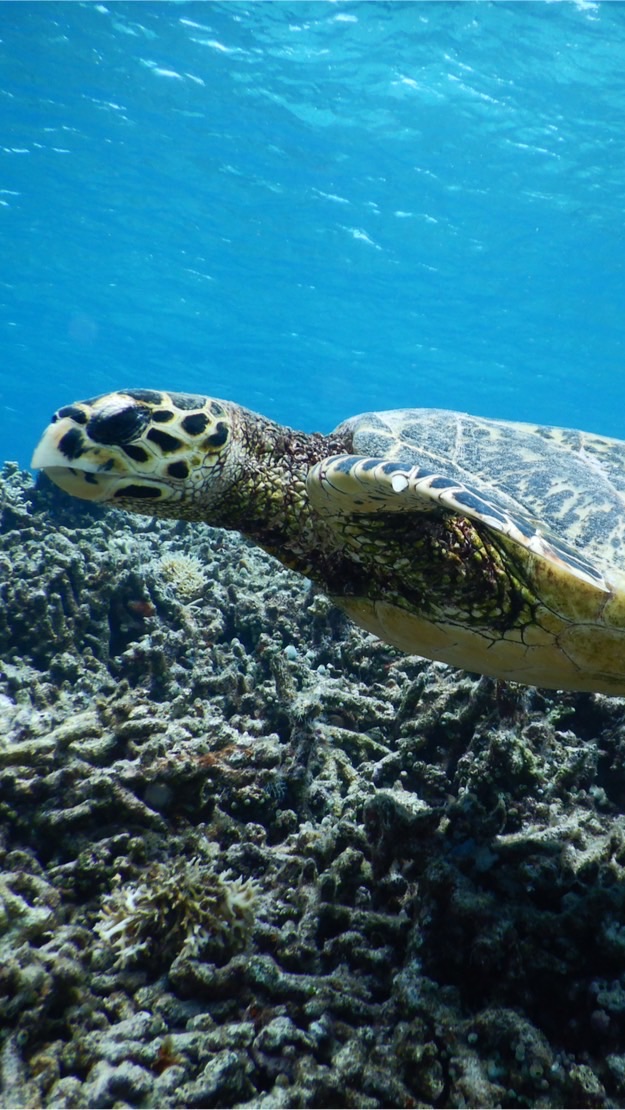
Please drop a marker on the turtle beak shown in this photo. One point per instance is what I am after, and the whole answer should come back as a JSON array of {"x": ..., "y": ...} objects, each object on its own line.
[{"x": 86, "y": 471}]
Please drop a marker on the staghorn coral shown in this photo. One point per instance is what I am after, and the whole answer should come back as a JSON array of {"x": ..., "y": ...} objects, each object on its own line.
[{"x": 184, "y": 909}]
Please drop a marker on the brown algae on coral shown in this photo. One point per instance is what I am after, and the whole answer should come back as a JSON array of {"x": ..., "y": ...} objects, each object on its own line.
[{"x": 252, "y": 857}]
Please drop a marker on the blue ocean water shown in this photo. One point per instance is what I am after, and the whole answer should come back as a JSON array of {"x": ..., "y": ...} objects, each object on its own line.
[{"x": 314, "y": 208}]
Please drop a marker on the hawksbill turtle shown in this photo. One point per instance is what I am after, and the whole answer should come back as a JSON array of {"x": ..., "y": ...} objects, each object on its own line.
[{"x": 493, "y": 546}]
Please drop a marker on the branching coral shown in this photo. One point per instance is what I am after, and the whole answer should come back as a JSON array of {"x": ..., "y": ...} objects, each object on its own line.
[{"x": 184, "y": 909}]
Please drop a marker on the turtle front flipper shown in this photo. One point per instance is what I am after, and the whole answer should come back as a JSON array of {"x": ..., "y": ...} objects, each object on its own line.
[{"x": 352, "y": 486}]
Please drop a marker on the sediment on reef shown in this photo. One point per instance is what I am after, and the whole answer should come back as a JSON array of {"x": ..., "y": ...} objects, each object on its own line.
[{"x": 253, "y": 857}]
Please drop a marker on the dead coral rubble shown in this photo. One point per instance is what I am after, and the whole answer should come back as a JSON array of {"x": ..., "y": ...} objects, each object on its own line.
[{"x": 252, "y": 857}]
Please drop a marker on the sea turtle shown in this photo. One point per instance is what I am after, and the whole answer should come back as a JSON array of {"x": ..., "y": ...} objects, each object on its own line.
[{"x": 493, "y": 546}]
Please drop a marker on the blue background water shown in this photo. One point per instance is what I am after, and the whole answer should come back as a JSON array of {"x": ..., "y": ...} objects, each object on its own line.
[{"x": 314, "y": 208}]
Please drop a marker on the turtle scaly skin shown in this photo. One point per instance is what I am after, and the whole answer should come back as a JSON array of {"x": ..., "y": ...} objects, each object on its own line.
[{"x": 413, "y": 541}]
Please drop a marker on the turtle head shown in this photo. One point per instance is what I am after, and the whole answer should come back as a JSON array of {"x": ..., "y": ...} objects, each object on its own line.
[{"x": 165, "y": 454}]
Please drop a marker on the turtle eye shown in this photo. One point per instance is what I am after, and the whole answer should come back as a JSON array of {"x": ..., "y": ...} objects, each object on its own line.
[{"x": 119, "y": 426}]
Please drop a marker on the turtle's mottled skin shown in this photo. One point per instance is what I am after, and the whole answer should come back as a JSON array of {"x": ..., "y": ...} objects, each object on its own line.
[{"x": 492, "y": 546}]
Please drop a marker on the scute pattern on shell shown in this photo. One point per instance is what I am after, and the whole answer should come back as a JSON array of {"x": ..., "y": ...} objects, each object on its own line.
[{"x": 571, "y": 482}]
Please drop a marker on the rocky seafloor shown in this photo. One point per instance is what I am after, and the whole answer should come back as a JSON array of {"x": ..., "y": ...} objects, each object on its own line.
[{"x": 252, "y": 857}]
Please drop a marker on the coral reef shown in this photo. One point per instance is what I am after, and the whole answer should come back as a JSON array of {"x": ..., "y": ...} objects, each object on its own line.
[{"x": 253, "y": 857}]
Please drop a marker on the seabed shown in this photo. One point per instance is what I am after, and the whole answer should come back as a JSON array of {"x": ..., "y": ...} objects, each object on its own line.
[{"x": 252, "y": 857}]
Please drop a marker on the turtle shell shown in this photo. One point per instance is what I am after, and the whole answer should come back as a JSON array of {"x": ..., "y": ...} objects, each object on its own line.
[{"x": 571, "y": 483}]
